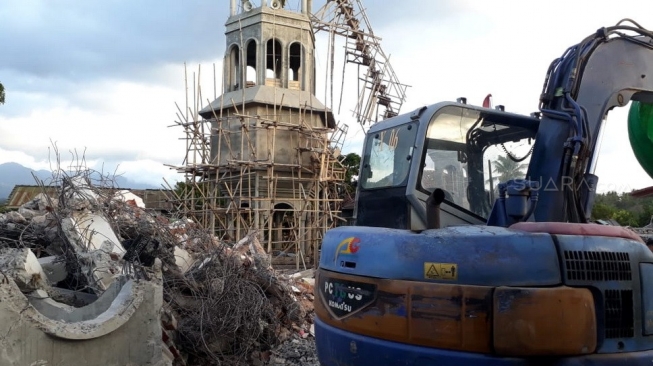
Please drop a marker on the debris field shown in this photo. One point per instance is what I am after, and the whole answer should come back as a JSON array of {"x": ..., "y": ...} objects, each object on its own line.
[{"x": 222, "y": 303}]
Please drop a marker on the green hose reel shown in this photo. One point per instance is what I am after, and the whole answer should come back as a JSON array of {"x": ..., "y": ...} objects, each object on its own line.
[{"x": 640, "y": 133}]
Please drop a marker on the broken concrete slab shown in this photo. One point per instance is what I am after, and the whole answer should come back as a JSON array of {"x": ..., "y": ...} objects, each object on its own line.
[
  {"x": 22, "y": 266},
  {"x": 128, "y": 197},
  {"x": 27, "y": 213},
  {"x": 97, "y": 246},
  {"x": 183, "y": 259},
  {"x": 100, "y": 267},
  {"x": 127, "y": 332},
  {"x": 310, "y": 281},
  {"x": 121, "y": 291},
  {"x": 42, "y": 220},
  {"x": 72, "y": 298},
  {"x": 15, "y": 217},
  {"x": 91, "y": 231},
  {"x": 309, "y": 273},
  {"x": 78, "y": 193},
  {"x": 41, "y": 202},
  {"x": 54, "y": 268}
]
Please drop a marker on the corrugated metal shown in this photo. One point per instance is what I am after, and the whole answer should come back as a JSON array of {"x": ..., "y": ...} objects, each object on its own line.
[
  {"x": 644, "y": 192},
  {"x": 23, "y": 194}
]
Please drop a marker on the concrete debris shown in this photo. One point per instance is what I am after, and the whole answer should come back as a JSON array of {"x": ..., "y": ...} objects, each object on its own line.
[
  {"x": 129, "y": 198},
  {"x": 79, "y": 193},
  {"x": 54, "y": 268},
  {"x": 309, "y": 273},
  {"x": 22, "y": 266},
  {"x": 646, "y": 233},
  {"x": 102, "y": 264},
  {"x": 297, "y": 351},
  {"x": 41, "y": 202},
  {"x": 183, "y": 259},
  {"x": 15, "y": 218}
]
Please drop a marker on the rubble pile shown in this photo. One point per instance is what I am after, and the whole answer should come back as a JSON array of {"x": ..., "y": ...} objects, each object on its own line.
[
  {"x": 298, "y": 351},
  {"x": 223, "y": 303}
]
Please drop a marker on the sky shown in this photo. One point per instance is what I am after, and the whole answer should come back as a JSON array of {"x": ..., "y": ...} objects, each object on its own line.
[{"x": 103, "y": 79}]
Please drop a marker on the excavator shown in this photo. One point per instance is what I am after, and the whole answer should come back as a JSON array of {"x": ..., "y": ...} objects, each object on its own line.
[{"x": 473, "y": 241}]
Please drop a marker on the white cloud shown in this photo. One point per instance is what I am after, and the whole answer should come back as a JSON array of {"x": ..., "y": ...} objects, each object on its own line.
[
  {"x": 108, "y": 121},
  {"x": 478, "y": 47},
  {"x": 20, "y": 157}
]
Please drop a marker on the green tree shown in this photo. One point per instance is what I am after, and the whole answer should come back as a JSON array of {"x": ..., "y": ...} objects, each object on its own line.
[
  {"x": 2, "y": 94},
  {"x": 603, "y": 211},
  {"x": 644, "y": 217},
  {"x": 623, "y": 208},
  {"x": 625, "y": 218},
  {"x": 507, "y": 169},
  {"x": 351, "y": 163}
]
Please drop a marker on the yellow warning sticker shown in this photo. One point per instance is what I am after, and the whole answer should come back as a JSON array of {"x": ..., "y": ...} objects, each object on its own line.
[{"x": 440, "y": 271}]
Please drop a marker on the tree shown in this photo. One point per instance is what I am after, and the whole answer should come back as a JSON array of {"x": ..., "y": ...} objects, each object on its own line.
[
  {"x": 351, "y": 163},
  {"x": 623, "y": 208},
  {"x": 2, "y": 94},
  {"x": 625, "y": 218},
  {"x": 603, "y": 211},
  {"x": 508, "y": 169}
]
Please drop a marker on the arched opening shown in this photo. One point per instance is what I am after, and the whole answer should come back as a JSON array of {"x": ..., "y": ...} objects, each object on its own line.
[
  {"x": 295, "y": 69},
  {"x": 283, "y": 224},
  {"x": 251, "y": 73},
  {"x": 234, "y": 68},
  {"x": 273, "y": 63}
]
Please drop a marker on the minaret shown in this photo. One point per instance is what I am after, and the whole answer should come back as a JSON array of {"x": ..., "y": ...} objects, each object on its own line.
[
  {"x": 269, "y": 69},
  {"x": 277, "y": 47},
  {"x": 270, "y": 156}
]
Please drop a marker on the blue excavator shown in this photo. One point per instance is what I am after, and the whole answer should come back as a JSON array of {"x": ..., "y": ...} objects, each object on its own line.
[{"x": 474, "y": 242}]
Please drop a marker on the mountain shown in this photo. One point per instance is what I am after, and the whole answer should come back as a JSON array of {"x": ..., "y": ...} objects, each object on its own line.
[{"x": 12, "y": 174}]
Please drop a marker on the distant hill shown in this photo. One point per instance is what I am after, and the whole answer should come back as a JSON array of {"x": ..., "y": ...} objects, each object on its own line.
[{"x": 12, "y": 174}]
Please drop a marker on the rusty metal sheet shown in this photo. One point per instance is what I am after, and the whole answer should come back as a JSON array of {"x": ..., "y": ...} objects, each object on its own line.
[
  {"x": 446, "y": 316},
  {"x": 540, "y": 321}
]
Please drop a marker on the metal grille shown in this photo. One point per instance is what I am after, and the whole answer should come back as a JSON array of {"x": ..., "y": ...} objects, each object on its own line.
[
  {"x": 619, "y": 316},
  {"x": 597, "y": 266}
]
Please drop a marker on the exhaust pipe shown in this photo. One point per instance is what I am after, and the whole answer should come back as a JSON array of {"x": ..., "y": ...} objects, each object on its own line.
[{"x": 433, "y": 209}]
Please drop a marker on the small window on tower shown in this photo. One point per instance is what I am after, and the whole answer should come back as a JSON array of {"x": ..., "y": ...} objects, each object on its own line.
[
  {"x": 251, "y": 74},
  {"x": 295, "y": 66},
  {"x": 273, "y": 63},
  {"x": 234, "y": 68}
]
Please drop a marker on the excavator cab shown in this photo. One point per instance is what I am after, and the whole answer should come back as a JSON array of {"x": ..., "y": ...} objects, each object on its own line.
[{"x": 460, "y": 149}]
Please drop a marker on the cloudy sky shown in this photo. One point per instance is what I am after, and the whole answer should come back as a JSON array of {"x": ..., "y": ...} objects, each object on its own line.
[{"x": 102, "y": 77}]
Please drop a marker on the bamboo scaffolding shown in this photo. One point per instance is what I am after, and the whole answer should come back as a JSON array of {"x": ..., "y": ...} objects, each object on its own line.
[{"x": 236, "y": 181}]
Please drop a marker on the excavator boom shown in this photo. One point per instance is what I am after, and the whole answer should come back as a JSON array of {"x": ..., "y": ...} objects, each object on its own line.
[{"x": 608, "y": 69}]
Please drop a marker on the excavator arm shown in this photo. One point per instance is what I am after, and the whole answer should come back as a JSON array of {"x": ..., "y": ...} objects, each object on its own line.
[{"x": 608, "y": 69}]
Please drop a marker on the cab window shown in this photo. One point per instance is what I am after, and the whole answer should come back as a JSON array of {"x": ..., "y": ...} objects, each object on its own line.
[{"x": 387, "y": 157}]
